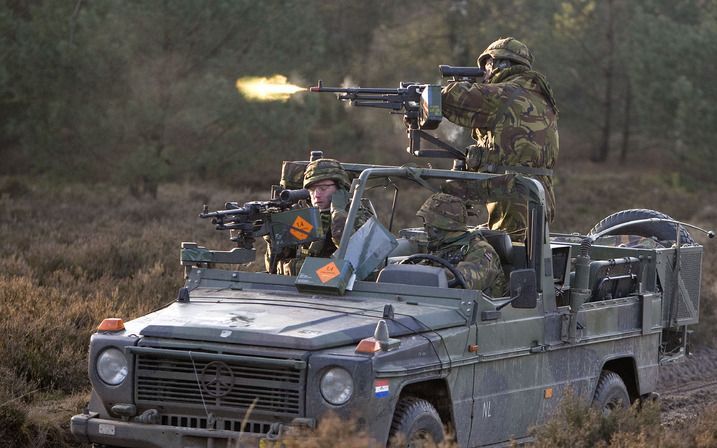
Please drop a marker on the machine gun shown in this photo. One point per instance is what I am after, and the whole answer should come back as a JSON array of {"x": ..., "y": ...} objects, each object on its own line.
[
  {"x": 420, "y": 105},
  {"x": 285, "y": 226}
]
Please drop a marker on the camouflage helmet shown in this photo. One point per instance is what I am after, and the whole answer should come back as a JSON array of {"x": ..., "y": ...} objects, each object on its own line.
[
  {"x": 507, "y": 48},
  {"x": 444, "y": 211},
  {"x": 322, "y": 169}
]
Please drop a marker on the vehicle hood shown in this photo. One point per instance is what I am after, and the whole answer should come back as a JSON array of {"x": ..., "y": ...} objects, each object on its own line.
[{"x": 297, "y": 321}]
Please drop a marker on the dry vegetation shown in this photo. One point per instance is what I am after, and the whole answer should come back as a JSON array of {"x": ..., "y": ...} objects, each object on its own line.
[{"x": 75, "y": 255}]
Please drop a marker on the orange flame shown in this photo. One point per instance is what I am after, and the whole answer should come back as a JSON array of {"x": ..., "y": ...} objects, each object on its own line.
[{"x": 275, "y": 88}]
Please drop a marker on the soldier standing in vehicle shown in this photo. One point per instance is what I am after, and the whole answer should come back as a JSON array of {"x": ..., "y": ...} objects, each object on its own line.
[
  {"x": 328, "y": 184},
  {"x": 444, "y": 219},
  {"x": 514, "y": 119}
]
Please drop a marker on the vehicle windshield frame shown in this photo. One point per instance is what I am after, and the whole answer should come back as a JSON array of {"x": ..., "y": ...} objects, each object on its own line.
[{"x": 532, "y": 190}]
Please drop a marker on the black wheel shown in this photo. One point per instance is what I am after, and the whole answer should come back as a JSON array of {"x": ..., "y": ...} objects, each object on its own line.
[
  {"x": 663, "y": 231},
  {"x": 457, "y": 280},
  {"x": 610, "y": 393},
  {"x": 415, "y": 424}
]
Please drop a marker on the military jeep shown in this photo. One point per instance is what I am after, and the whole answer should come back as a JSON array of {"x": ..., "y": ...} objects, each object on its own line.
[{"x": 242, "y": 357}]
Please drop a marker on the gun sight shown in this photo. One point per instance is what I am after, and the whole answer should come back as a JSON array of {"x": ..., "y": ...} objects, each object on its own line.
[
  {"x": 294, "y": 196},
  {"x": 461, "y": 72}
]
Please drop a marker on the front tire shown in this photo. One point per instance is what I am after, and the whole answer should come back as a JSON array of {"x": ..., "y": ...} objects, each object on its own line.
[
  {"x": 610, "y": 393},
  {"x": 416, "y": 424}
]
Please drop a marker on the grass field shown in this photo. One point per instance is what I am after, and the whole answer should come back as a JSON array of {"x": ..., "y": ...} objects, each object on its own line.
[{"x": 77, "y": 254}]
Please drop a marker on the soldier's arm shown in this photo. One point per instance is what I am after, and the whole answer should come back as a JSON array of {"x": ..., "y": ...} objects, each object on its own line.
[
  {"x": 482, "y": 270},
  {"x": 471, "y": 105}
]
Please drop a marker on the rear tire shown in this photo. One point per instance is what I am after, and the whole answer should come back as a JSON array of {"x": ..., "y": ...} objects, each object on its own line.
[
  {"x": 610, "y": 393},
  {"x": 416, "y": 424},
  {"x": 663, "y": 231}
]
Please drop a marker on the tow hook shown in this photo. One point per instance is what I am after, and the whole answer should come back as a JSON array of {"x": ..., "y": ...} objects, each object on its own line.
[{"x": 275, "y": 431}]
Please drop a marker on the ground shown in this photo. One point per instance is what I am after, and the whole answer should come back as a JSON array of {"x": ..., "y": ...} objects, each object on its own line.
[{"x": 686, "y": 388}]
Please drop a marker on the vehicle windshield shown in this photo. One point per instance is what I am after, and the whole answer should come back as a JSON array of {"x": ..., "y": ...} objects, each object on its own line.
[{"x": 394, "y": 195}]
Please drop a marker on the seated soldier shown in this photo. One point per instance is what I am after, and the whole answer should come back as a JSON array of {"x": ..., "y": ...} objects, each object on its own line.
[
  {"x": 328, "y": 184},
  {"x": 444, "y": 217}
]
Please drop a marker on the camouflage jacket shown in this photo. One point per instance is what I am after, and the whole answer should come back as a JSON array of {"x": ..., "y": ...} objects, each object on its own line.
[
  {"x": 476, "y": 259},
  {"x": 514, "y": 123}
]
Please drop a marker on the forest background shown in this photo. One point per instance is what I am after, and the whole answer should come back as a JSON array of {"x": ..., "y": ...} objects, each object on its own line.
[{"x": 119, "y": 119}]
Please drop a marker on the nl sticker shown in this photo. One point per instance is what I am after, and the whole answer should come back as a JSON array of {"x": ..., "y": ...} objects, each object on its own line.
[{"x": 381, "y": 388}]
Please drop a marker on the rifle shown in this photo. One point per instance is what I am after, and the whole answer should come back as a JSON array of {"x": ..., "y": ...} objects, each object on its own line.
[
  {"x": 286, "y": 226},
  {"x": 420, "y": 105}
]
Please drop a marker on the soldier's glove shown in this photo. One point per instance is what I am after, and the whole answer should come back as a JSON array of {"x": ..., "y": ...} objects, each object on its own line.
[
  {"x": 339, "y": 205},
  {"x": 474, "y": 157},
  {"x": 339, "y": 200}
]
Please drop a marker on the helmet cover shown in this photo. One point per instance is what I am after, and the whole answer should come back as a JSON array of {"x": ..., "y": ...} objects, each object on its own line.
[
  {"x": 323, "y": 169},
  {"x": 444, "y": 211},
  {"x": 507, "y": 48}
]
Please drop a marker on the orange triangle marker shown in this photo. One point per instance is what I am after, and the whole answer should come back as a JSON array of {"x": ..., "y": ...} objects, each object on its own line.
[
  {"x": 300, "y": 228},
  {"x": 328, "y": 272}
]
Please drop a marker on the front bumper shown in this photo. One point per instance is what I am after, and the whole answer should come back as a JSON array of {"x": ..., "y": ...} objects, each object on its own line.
[{"x": 91, "y": 428}]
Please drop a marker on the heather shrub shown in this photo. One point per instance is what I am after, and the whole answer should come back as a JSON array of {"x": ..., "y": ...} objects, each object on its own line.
[
  {"x": 700, "y": 432},
  {"x": 578, "y": 425}
]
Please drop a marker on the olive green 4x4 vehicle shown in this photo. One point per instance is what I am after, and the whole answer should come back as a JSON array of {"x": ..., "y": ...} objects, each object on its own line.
[{"x": 241, "y": 357}]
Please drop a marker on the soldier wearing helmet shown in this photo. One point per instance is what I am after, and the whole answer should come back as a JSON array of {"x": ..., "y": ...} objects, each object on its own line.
[
  {"x": 515, "y": 124},
  {"x": 328, "y": 185},
  {"x": 444, "y": 219}
]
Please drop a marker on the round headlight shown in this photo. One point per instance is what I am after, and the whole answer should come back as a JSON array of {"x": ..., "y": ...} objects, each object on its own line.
[
  {"x": 112, "y": 366},
  {"x": 337, "y": 386}
]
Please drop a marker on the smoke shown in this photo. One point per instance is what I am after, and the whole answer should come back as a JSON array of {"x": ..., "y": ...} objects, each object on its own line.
[{"x": 455, "y": 134}]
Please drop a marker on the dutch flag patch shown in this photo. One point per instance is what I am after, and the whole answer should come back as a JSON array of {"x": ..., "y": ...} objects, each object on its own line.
[{"x": 381, "y": 388}]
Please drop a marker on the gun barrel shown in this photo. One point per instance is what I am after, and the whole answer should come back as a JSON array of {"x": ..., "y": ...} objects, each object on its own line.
[
  {"x": 223, "y": 213},
  {"x": 461, "y": 72},
  {"x": 354, "y": 90}
]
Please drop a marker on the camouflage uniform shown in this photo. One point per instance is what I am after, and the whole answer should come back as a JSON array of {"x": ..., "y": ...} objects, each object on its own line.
[
  {"x": 515, "y": 124},
  {"x": 332, "y": 221},
  {"x": 472, "y": 255}
]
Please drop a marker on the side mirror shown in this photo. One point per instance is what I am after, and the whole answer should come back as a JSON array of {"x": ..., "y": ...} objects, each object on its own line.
[
  {"x": 523, "y": 293},
  {"x": 523, "y": 290}
]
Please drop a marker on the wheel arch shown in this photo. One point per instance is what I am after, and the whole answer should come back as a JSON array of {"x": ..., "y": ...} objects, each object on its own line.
[
  {"x": 626, "y": 367},
  {"x": 436, "y": 392}
]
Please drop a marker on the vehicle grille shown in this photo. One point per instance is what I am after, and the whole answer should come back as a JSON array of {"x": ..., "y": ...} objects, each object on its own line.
[
  {"x": 229, "y": 385},
  {"x": 225, "y": 424}
]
